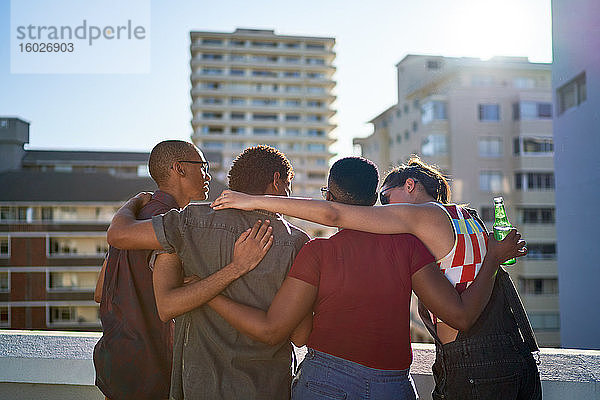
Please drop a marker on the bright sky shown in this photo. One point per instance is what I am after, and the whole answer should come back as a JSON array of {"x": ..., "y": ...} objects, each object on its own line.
[{"x": 135, "y": 111}]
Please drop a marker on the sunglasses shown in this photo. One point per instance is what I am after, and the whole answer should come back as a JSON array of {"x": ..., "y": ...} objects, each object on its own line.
[
  {"x": 324, "y": 191},
  {"x": 384, "y": 197}
]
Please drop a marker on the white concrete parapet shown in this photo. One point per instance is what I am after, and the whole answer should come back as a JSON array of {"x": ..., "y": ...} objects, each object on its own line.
[{"x": 58, "y": 365}]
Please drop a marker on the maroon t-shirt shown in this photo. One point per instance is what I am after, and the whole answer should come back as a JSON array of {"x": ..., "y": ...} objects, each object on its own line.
[
  {"x": 134, "y": 355},
  {"x": 364, "y": 285}
]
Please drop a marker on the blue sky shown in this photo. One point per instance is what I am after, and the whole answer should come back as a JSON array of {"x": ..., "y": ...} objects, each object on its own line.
[{"x": 135, "y": 111}]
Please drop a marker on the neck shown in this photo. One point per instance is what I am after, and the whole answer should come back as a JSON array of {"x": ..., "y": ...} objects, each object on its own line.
[
  {"x": 181, "y": 198},
  {"x": 423, "y": 198}
]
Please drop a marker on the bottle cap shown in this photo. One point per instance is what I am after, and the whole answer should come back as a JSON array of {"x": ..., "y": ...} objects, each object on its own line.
[{"x": 498, "y": 199}]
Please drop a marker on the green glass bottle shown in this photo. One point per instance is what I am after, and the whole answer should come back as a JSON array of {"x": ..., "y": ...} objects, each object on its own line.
[{"x": 501, "y": 224}]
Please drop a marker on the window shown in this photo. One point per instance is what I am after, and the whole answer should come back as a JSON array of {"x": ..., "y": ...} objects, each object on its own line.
[
  {"x": 213, "y": 130},
  {"x": 315, "y": 46},
  {"x": 4, "y": 281},
  {"x": 315, "y": 75},
  {"x": 292, "y": 132},
  {"x": 406, "y": 135},
  {"x": 213, "y": 42},
  {"x": 415, "y": 126},
  {"x": 572, "y": 94},
  {"x": 291, "y": 74},
  {"x": 3, "y": 123},
  {"x": 534, "y": 181},
  {"x": 538, "y": 286},
  {"x": 13, "y": 213},
  {"x": 434, "y": 145},
  {"x": 541, "y": 251},
  {"x": 237, "y": 57},
  {"x": 524, "y": 83},
  {"x": 292, "y": 60},
  {"x": 237, "y": 72},
  {"x": 264, "y": 131},
  {"x": 535, "y": 215},
  {"x": 489, "y": 112},
  {"x": 314, "y": 118},
  {"x": 314, "y": 103},
  {"x": 212, "y": 71},
  {"x": 212, "y": 100},
  {"x": 212, "y": 115},
  {"x": 63, "y": 168},
  {"x": 490, "y": 147},
  {"x": 533, "y": 146},
  {"x": 264, "y": 117},
  {"x": 291, "y": 45},
  {"x": 405, "y": 108},
  {"x": 293, "y": 88},
  {"x": 74, "y": 315},
  {"x": 320, "y": 161},
  {"x": 83, "y": 247},
  {"x": 211, "y": 85},
  {"x": 487, "y": 214},
  {"x": 238, "y": 130},
  {"x": 316, "y": 147},
  {"x": 528, "y": 110},
  {"x": 315, "y": 132},
  {"x": 264, "y": 102},
  {"x": 211, "y": 56},
  {"x": 263, "y": 44},
  {"x": 264, "y": 59},
  {"x": 72, "y": 281},
  {"x": 317, "y": 175},
  {"x": 292, "y": 117},
  {"x": 292, "y": 103},
  {"x": 314, "y": 61},
  {"x": 433, "y": 110},
  {"x": 434, "y": 64},
  {"x": 238, "y": 43},
  {"x": 214, "y": 145},
  {"x": 398, "y": 138},
  {"x": 315, "y": 89},
  {"x": 490, "y": 181},
  {"x": 237, "y": 101},
  {"x": 266, "y": 74},
  {"x": 47, "y": 213},
  {"x": 238, "y": 116},
  {"x": 544, "y": 321},
  {"x": 5, "y": 316}
]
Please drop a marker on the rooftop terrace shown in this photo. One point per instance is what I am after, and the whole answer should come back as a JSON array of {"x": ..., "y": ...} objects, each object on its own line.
[{"x": 58, "y": 365}]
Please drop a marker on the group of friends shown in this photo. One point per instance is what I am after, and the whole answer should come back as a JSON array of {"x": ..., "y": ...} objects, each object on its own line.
[{"x": 203, "y": 301}]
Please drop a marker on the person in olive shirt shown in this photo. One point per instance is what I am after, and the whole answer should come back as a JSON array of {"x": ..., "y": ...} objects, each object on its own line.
[{"x": 211, "y": 359}]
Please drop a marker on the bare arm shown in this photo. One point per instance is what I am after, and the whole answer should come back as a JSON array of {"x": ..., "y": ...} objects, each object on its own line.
[
  {"x": 126, "y": 232},
  {"x": 301, "y": 333},
  {"x": 290, "y": 306},
  {"x": 100, "y": 283},
  {"x": 462, "y": 310},
  {"x": 393, "y": 218},
  {"x": 173, "y": 298}
]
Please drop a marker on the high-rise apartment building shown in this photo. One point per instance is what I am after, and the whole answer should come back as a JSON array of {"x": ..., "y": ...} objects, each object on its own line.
[
  {"x": 576, "y": 87},
  {"x": 254, "y": 87},
  {"x": 488, "y": 126}
]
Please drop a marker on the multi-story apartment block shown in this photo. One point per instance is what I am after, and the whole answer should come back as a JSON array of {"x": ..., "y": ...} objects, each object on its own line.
[
  {"x": 254, "y": 87},
  {"x": 55, "y": 207},
  {"x": 488, "y": 126}
]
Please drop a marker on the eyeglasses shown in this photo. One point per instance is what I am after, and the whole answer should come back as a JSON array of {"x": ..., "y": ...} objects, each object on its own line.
[
  {"x": 204, "y": 163},
  {"x": 324, "y": 191}
]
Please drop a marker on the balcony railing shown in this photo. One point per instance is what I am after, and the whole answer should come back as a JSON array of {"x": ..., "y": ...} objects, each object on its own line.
[{"x": 58, "y": 365}]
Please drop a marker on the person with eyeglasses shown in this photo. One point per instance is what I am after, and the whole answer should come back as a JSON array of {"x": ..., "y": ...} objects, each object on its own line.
[
  {"x": 416, "y": 199},
  {"x": 358, "y": 285}
]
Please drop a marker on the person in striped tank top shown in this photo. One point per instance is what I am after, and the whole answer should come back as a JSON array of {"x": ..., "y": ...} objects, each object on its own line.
[{"x": 488, "y": 358}]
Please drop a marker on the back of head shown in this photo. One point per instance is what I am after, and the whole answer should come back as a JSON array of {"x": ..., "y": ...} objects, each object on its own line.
[
  {"x": 354, "y": 180},
  {"x": 435, "y": 184},
  {"x": 253, "y": 169},
  {"x": 163, "y": 156}
]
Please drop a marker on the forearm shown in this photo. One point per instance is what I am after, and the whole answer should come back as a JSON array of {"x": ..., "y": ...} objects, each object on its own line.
[
  {"x": 174, "y": 301},
  {"x": 300, "y": 335},
  {"x": 126, "y": 232}
]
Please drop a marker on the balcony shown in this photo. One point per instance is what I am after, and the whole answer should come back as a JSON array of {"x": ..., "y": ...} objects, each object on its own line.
[{"x": 58, "y": 365}]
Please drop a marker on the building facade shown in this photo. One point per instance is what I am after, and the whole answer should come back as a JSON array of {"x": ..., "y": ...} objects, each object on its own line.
[
  {"x": 55, "y": 208},
  {"x": 488, "y": 126},
  {"x": 576, "y": 89},
  {"x": 254, "y": 87}
]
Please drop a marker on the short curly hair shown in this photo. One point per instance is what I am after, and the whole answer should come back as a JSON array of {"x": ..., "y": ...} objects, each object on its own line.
[
  {"x": 253, "y": 169},
  {"x": 163, "y": 156},
  {"x": 354, "y": 180}
]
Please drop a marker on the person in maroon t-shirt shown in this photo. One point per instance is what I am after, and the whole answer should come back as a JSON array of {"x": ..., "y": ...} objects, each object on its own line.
[{"x": 358, "y": 286}]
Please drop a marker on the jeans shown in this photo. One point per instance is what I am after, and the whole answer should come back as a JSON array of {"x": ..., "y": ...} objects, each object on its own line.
[
  {"x": 493, "y": 367},
  {"x": 323, "y": 376}
]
